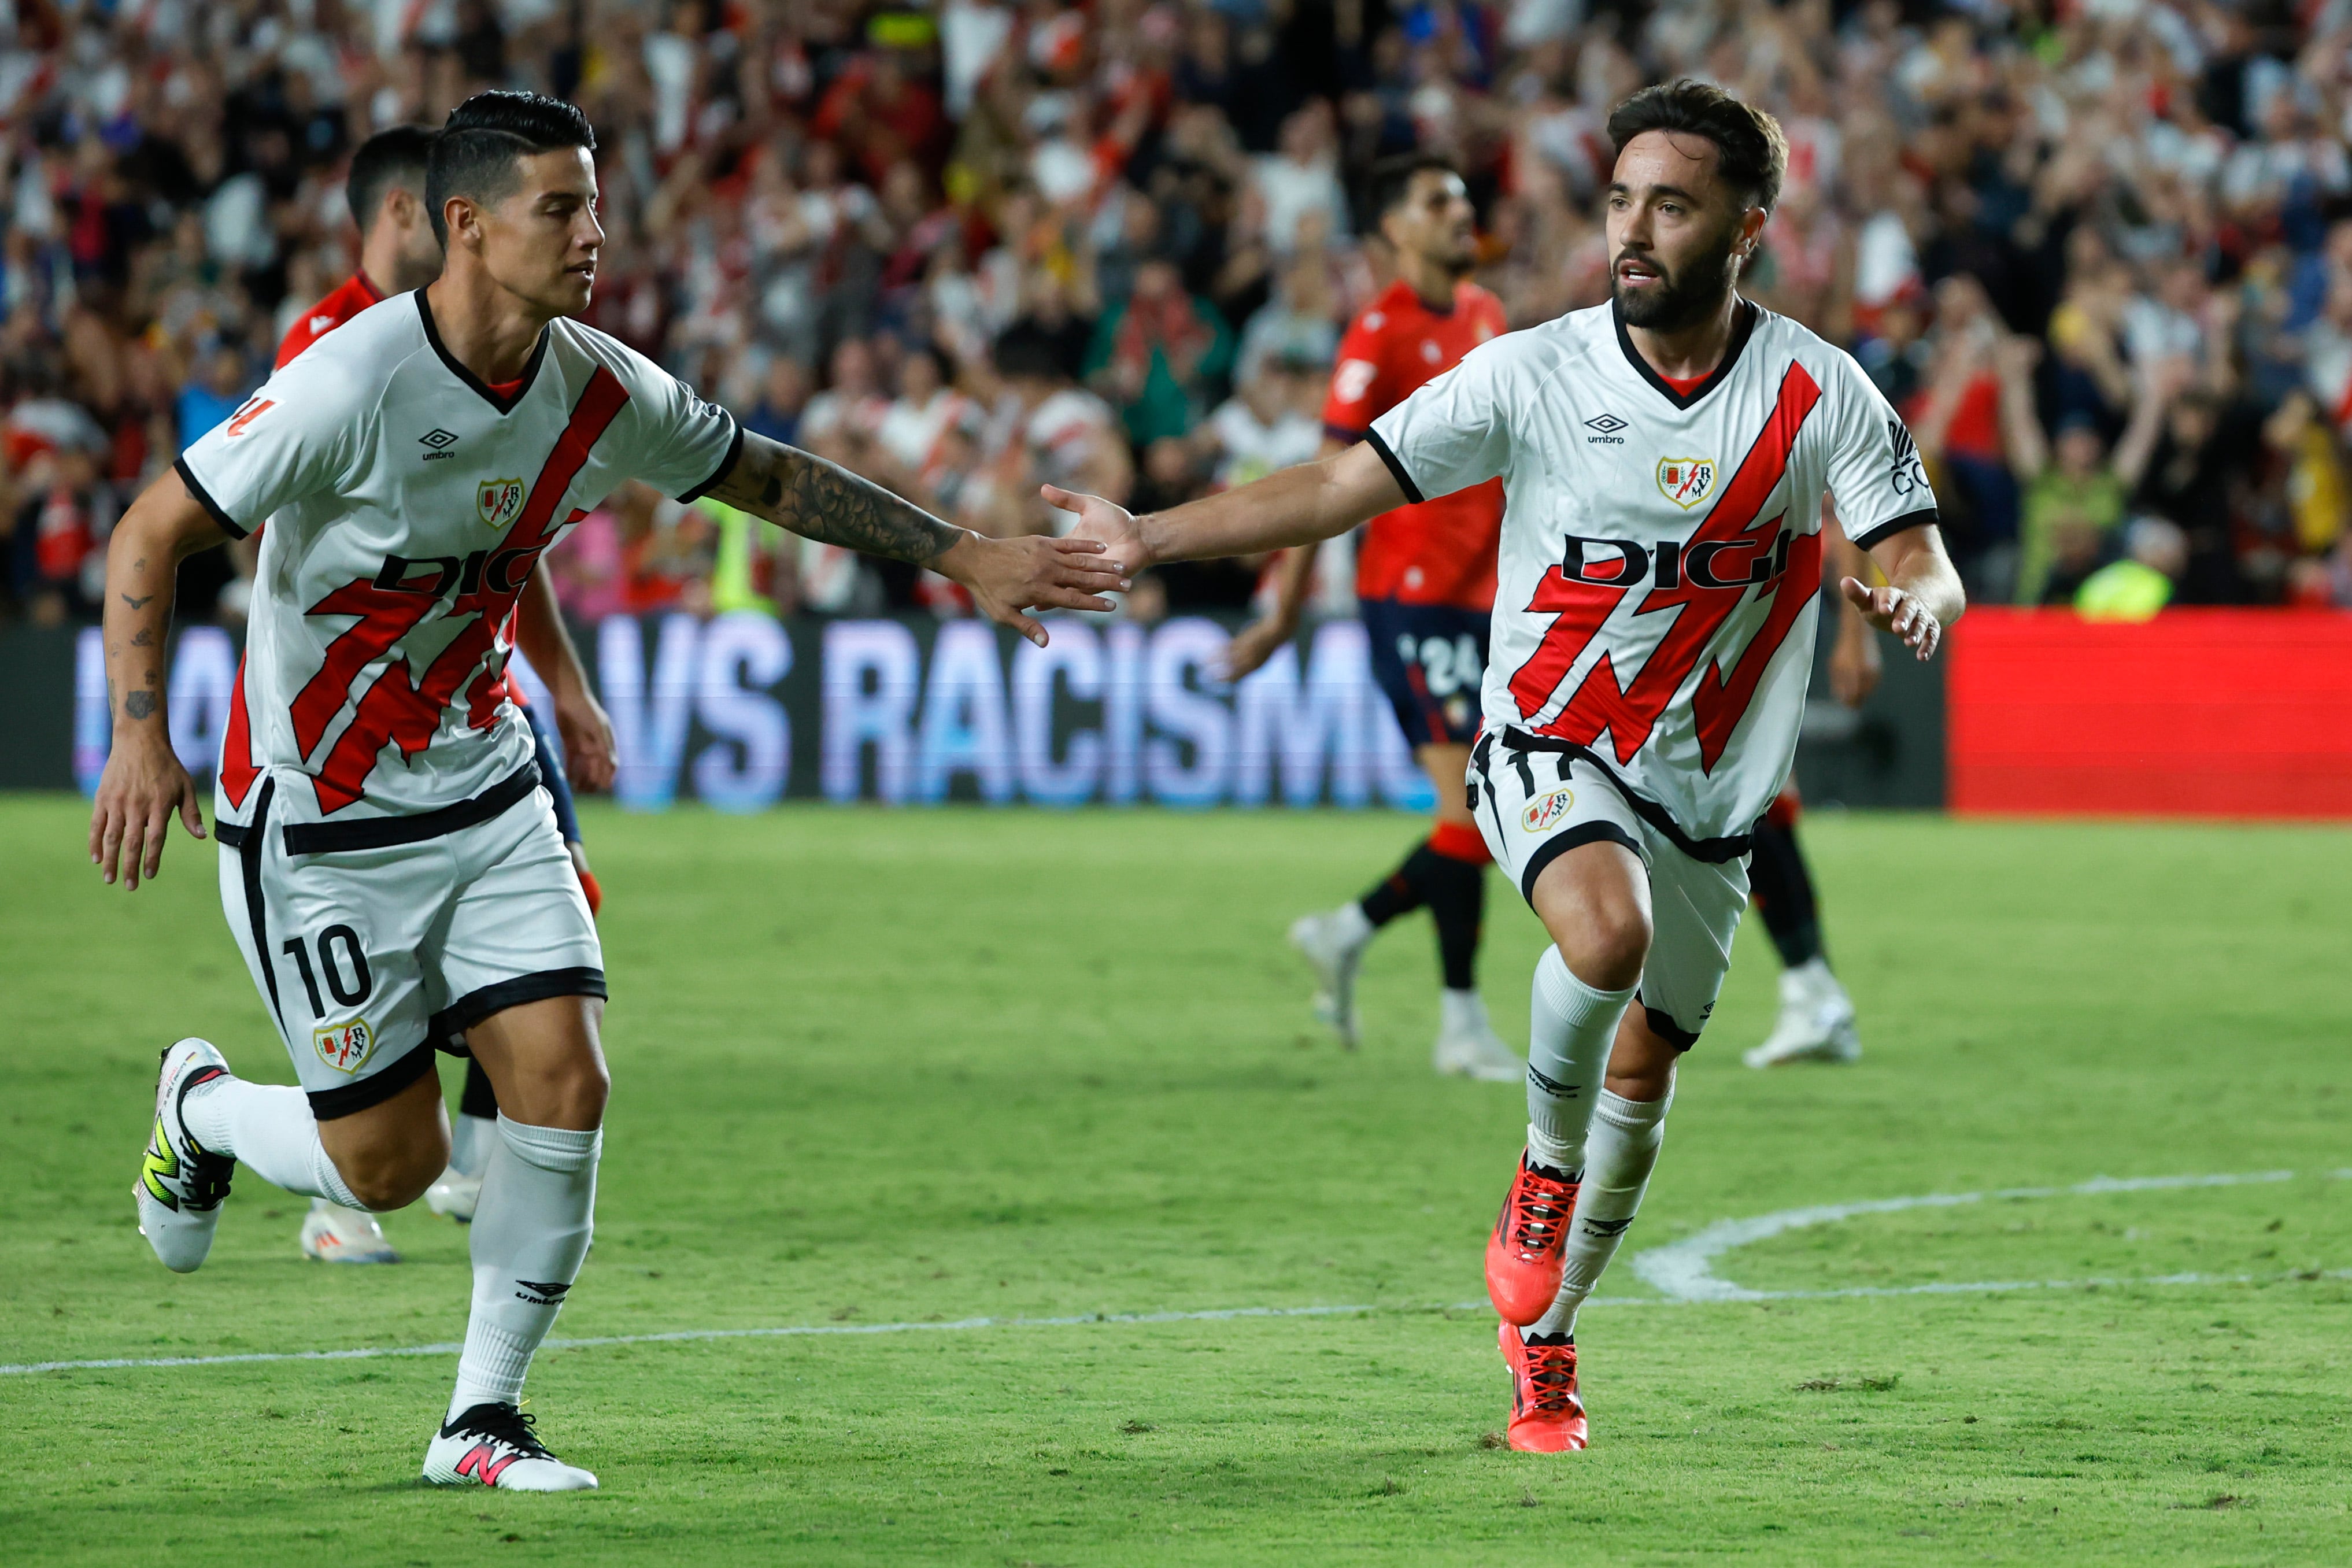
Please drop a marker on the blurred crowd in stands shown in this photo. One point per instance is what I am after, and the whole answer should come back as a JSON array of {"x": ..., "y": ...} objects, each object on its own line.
[{"x": 2098, "y": 251}]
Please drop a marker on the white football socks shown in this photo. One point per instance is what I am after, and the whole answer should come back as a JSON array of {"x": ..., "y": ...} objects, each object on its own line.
[
  {"x": 1569, "y": 1034},
  {"x": 1618, "y": 1159},
  {"x": 470, "y": 1139},
  {"x": 1355, "y": 927},
  {"x": 1460, "y": 1014},
  {"x": 529, "y": 1234},
  {"x": 269, "y": 1128}
]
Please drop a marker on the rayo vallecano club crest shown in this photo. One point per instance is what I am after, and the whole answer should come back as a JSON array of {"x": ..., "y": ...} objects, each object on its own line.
[
  {"x": 1686, "y": 481},
  {"x": 499, "y": 501}
]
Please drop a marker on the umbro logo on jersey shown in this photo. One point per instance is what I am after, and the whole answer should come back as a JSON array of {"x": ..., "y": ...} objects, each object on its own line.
[
  {"x": 439, "y": 441},
  {"x": 1604, "y": 428}
]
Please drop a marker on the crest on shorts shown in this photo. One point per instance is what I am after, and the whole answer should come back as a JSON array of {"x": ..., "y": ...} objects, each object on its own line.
[
  {"x": 1543, "y": 813},
  {"x": 499, "y": 501},
  {"x": 344, "y": 1047},
  {"x": 1686, "y": 481}
]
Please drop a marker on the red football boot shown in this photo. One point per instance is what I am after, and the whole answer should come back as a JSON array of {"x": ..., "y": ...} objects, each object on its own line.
[
  {"x": 1547, "y": 1417},
  {"x": 1529, "y": 1247}
]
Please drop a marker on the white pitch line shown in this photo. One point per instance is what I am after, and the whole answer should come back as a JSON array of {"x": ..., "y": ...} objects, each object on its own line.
[
  {"x": 1681, "y": 1269},
  {"x": 1685, "y": 1270}
]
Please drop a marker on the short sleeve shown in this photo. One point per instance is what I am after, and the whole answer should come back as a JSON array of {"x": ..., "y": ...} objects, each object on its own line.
[
  {"x": 1875, "y": 472},
  {"x": 684, "y": 444},
  {"x": 1454, "y": 432},
  {"x": 293, "y": 439},
  {"x": 1349, "y": 410}
]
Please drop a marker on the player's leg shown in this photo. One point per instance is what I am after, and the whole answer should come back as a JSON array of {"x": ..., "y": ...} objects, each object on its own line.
[
  {"x": 1575, "y": 848},
  {"x": 1817, "y": 1017},
  {"x": 1427, "y": 660},
  {"x": 331, "y": 942},
  {"x": 1454, "y": 886},
  {"x": 473, "y": 1132},
  {"x": 1698, "y": 905},
  {"x": 519, "y": 965}
]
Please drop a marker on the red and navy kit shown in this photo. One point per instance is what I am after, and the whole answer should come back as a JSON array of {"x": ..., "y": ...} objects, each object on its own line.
[
  {"x": 1424, "y": 573},
  {"x": 353, "y": 296}
]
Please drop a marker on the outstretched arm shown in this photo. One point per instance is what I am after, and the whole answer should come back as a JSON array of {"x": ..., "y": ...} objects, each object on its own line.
[
  {"x": 823, "y": 502},
  {"x": 144, "y": 785},
  {"x": 1921, "y": 596},
  {"x": 1295, "y": 506}
]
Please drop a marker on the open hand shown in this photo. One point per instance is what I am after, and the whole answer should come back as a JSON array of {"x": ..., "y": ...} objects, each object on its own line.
[
  {"x": 1107, "y": 523},
  {"x": 1008, "y": 576},
  {"x": 1891, "y": 609},
  {"x": 143, "y": 785}
]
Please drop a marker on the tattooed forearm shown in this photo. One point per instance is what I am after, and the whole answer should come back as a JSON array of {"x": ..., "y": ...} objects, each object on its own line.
[
  {"x": 820, "y": 500},
  {"x": 140, "y": 705},
  {"x": 146, "y": 637},
  {"x": 140, "y": 602}
]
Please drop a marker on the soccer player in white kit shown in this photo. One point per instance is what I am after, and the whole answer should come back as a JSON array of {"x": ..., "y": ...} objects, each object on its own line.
[
  {"x": 1664, "y": 459},
  {"x": 391, "y": 866}
]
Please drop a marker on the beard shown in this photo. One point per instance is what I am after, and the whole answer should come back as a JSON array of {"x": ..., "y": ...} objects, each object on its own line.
[{"x": 1679, "y": 299}]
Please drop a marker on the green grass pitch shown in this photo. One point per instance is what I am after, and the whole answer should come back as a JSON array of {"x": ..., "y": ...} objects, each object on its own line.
[{"x": 881, "y": 1069}]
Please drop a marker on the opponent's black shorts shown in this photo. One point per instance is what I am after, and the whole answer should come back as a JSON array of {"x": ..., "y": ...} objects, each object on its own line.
[{"x": 1430, "y": 661}]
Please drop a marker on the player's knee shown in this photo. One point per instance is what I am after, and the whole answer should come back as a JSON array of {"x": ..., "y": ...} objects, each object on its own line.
[
  {"x": 1607, "y": 941},
  {"x": 393, "y": 1179},
  {"x": 580, "y": 1091}
]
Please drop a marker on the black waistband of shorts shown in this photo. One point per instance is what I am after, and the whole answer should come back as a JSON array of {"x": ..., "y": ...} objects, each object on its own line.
[
  {"x": 384, "y": 832},
  {"x": 1714, "y": 850}
]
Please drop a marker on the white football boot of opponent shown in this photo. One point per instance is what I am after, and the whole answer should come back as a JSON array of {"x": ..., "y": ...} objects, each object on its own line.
[
  {"x": 494, "y": 1446},
  {"x": 1817, "y": 1021},
  {"x": 1333, "y": 945},
  {"x": 456, "y": 1194},
  {"x": 182, "y": 1182},
  {"x": 1467, "y": 1046},
  {"x": 333, "y": 1234}
]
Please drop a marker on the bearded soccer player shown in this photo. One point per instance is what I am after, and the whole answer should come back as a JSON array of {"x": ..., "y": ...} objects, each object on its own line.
[
  {"x": 1665, "y": 456},
  {"x": 399, "y": 252},
  {"x": 1424, "y": 587},
  {"x": 395, "y": 879}
]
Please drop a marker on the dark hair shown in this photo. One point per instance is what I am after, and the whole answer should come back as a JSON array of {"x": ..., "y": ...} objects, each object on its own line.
[
  {"x": 387, "y": 161},
  {"x": 1391, "y": 184},
  {"x": 1750, "y": 153},
  {"x": 484, "y": 140}
]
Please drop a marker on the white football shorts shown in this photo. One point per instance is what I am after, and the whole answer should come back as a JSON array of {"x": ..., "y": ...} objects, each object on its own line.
[
  {"x": 1535, "y": 804},
  {"x": 374, "y": 941}
]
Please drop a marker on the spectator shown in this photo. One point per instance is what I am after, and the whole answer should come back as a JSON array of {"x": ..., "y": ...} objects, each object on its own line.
[{"x": 1160, "y": 355}]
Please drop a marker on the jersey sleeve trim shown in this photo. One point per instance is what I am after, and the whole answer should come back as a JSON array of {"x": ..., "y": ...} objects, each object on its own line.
[
  {"x": 227, "y": 524},
  {"x": 734, "y": 450},
  {"x": 1396, "y": 467},
  {"x": 1874, "y": 537}
]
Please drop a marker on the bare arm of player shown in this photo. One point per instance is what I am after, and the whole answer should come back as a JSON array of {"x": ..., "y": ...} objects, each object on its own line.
[
  {"x": 1854, "y": 664},
  {"x": 588, "y": 749},
  {"x": 143, "y": 784},
  {"x": 1922, "y": 594},
  {"x": 1256, "y": 643},
  {"x": 1295, "y": 506},
  {"x": 821, "y": 500}
]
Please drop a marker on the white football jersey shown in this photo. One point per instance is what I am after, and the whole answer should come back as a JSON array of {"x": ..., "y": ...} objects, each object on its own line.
[
  {"x": 408, "y": 504},
  {"x": 1660, "y": 552}
]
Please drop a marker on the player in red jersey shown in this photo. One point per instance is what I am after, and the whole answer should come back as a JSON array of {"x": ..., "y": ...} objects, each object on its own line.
[
  {"x": 1425, "y": 588},
  {"x": 398, "y": 253}
]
